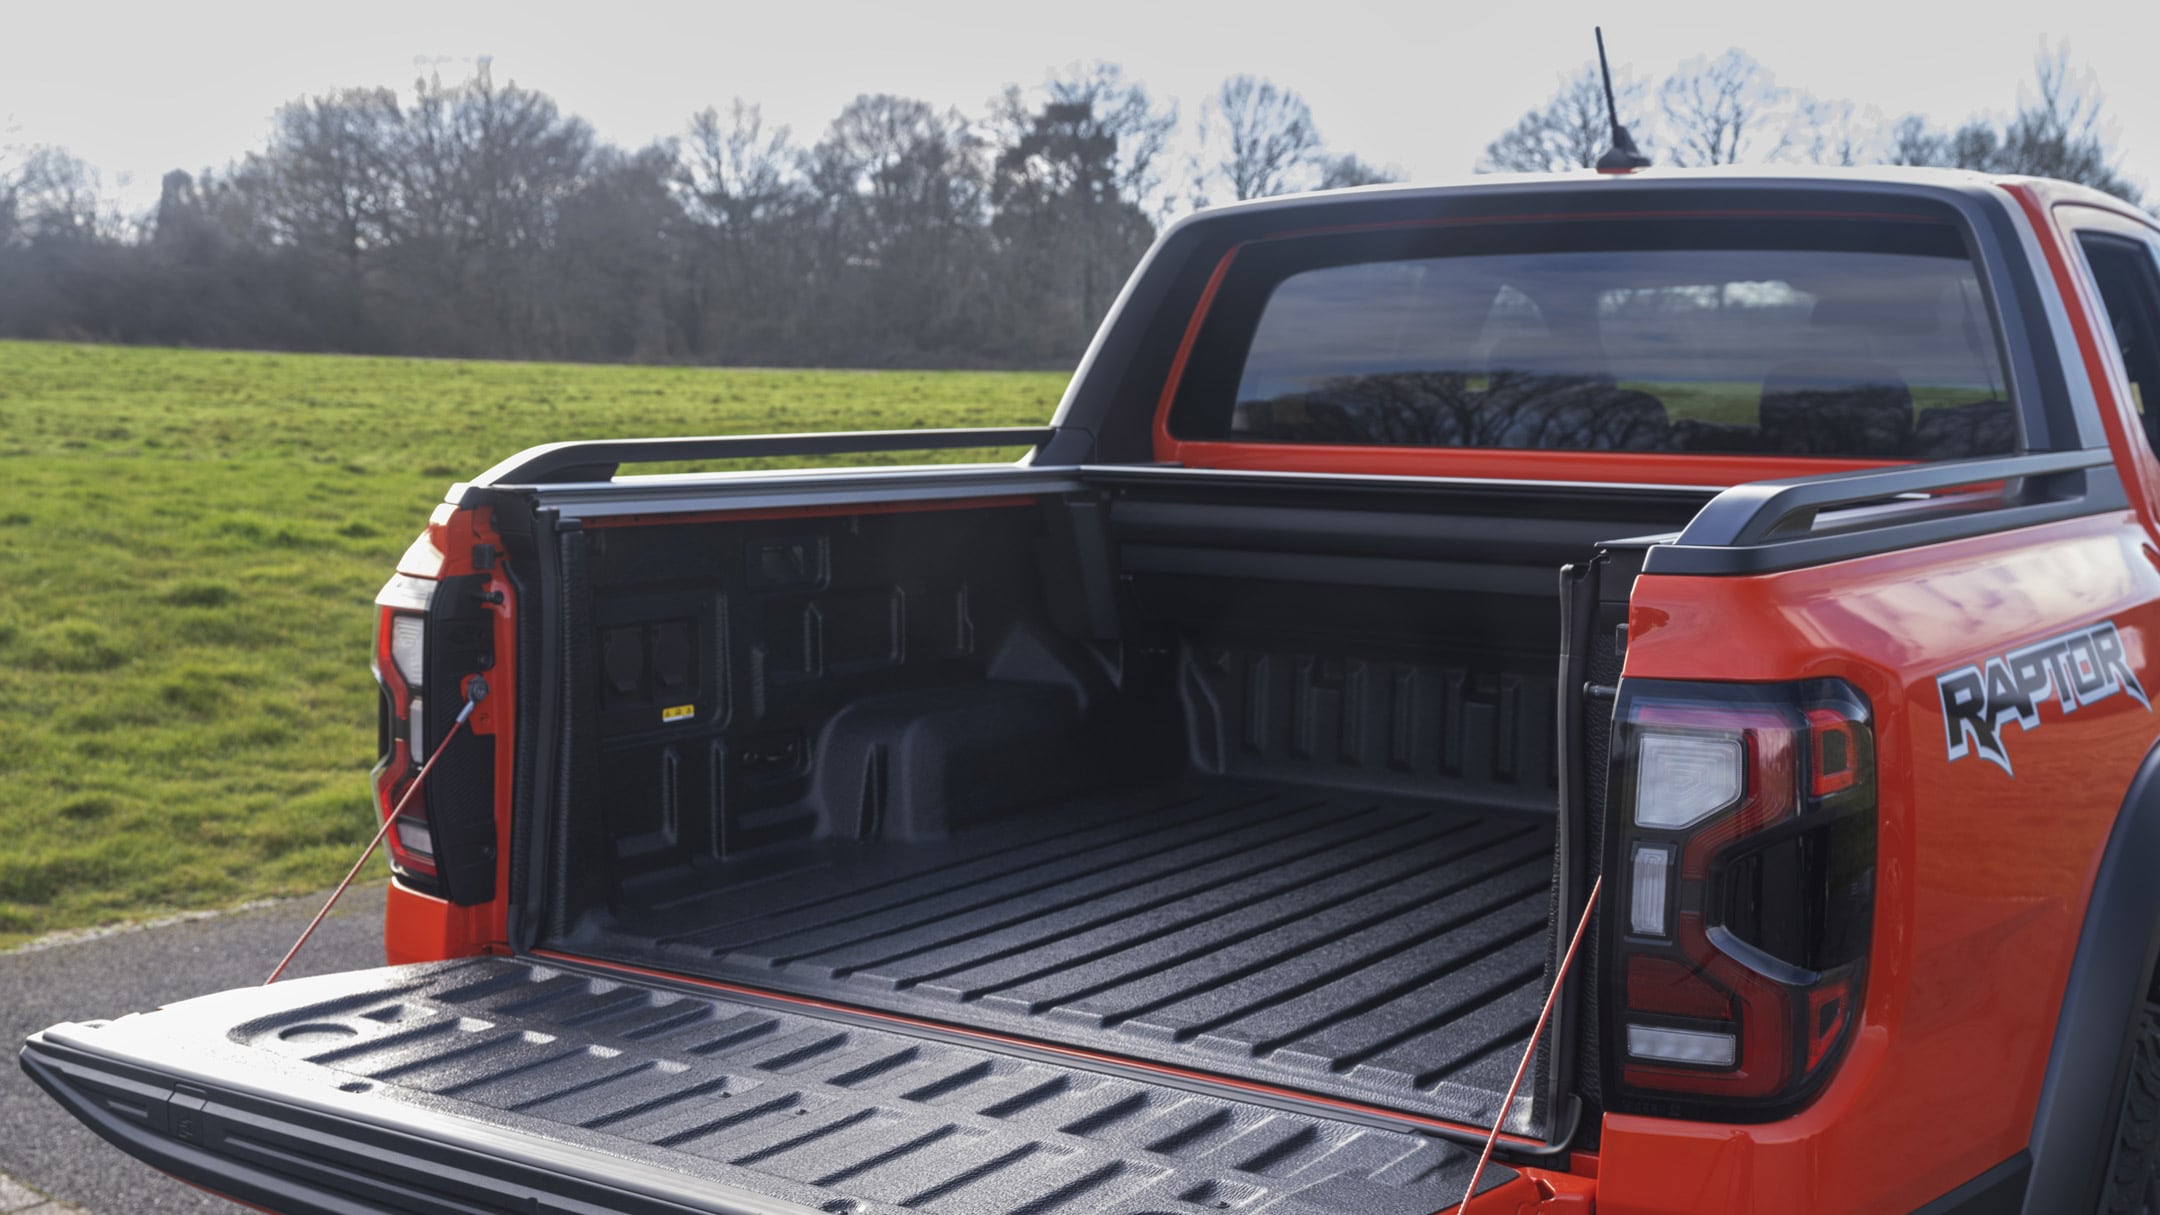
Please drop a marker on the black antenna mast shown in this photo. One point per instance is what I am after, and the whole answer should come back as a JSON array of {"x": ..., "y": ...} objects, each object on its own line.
[{"x": 1623, "y": 155}]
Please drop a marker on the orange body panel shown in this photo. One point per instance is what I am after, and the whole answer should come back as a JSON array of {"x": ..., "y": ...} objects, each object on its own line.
[
  {"x": 1983, "y": 876},
  {"x": 419, "y": 927},
  {"x": 422, "y": 928},
  {"x": 1572, "y": 1193}
]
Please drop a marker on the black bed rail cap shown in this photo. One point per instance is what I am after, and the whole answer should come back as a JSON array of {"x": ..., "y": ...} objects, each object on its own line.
[
  {"x": 1771, "y": 525},
  {"x": 598, "y": 459}
]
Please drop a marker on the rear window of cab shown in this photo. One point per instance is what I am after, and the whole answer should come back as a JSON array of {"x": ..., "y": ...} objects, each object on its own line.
[{"x": 1850, "y": 338}]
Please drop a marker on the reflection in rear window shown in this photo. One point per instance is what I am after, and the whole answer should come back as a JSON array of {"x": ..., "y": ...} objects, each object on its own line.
[{"x": 1805, "y": 349}]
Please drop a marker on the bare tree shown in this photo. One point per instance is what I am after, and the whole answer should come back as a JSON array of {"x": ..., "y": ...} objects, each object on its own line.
[
  {"x": 11, "y": 225},
  {"x": 331, "y": 169},
  {"x": 1724, "y": 110},
  {"x": 615, "y": 260},
  {"x": 2058, "y": 131},
  {"x": 904, "y": 191},
  {"x": 907, "y": 165},
  {"x": 10, "y": 185},
  {"x": 1914, "y": 142},
  {"x": 1262, "y": 135},
  {"x": 736, "y": 172},
  {"x": 1078, "y": 186},
  {"x": 1095, "y": 134},
  {"x": 743, "y": 190},
  {"x": 1339, "y": 172},
  {"x": 58, "y": 197},
  {"x": 1836, "y": 133},
  {"x": 1974, "y": 145},
  {"x": 483, "y": 170},
  {"x": 1571, "y": 130}
]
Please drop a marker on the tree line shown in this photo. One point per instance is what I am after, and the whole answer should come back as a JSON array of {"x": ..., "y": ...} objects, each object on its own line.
[
  {"x": 475, "y": 218},
  {"x": 1730, "y": 109}
]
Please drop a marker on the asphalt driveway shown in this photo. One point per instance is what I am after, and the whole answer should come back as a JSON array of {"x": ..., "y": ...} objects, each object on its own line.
[{"x": 133, "y": 971}]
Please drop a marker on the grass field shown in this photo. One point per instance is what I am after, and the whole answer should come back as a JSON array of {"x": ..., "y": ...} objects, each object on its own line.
[{"x": 189, "y": 542}]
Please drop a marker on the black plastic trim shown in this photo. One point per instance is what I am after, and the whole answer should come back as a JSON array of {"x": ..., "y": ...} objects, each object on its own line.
[
  {"x": 573, "y": 663},
  {"x": 1339, "y": 570},
  {"x": 597, "y": 460},
  {"x": 1765, "y": 511},
  {"x": 2073, "y": 1127},
  {"x": 1571, "y": 860},
  {"x": 1765, "y": 526},
  {"x": 522, "y": 563},
  {"x": 2056, "y": 411},
  {"x": 540, "y": 716},
  {"x": 459, "y": 796},
  {"x": 1999, "y": 1191},
  {"x": 779, "y": 490},
  {"x": 1569, "y": 494}
]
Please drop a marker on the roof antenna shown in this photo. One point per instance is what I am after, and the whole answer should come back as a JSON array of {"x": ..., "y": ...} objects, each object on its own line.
[{"x": 1622, "y": 156}]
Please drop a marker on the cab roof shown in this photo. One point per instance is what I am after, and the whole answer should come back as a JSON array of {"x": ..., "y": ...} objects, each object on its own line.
[{"x": 1584, "y": 182}]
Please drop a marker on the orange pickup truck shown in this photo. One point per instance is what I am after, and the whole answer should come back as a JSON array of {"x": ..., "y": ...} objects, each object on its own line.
[{"x": 1193, "y": 814}]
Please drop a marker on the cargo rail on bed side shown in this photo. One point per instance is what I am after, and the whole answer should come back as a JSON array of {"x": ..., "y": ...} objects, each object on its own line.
[{"x": 1751, "y": 528}]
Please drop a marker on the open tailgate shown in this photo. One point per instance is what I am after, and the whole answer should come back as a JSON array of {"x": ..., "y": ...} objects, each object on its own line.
[{"x": 507, "y": 1085}]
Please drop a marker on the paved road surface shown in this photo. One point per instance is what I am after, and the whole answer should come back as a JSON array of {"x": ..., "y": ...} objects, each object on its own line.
[{"x": 55, "y": 1156}]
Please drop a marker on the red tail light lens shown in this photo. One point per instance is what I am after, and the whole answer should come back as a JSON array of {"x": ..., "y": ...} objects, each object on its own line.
[
  {"x": 1741, "y": 831},
  {"x": 399, "y": 665}
]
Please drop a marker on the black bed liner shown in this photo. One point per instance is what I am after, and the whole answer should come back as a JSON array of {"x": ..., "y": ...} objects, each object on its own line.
[
  {"x": 1369, "y": 947},
  {"x": 499, "y": 1084}
]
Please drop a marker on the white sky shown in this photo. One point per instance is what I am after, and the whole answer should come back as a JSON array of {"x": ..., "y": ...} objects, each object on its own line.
[{"x": 137, "y": 87}]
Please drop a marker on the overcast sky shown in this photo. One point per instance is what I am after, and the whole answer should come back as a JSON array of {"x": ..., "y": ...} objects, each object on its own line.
[{"x": 138, "y": 88}]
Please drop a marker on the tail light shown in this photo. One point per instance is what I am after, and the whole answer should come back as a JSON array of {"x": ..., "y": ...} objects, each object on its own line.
[
  {"x": 400, "y": 664},
  {"x": 1742, "y": 841}
]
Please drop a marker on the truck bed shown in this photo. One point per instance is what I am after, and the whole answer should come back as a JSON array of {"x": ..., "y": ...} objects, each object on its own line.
[{"x": 1371, "y": 947}]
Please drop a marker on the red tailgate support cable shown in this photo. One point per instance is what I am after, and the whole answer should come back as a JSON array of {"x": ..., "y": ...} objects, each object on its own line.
[
  {"x": 476, "y": 693},
  {"x": 1530, "y": 1049}
]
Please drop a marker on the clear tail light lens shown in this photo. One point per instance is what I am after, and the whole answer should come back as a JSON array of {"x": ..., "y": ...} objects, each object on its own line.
[
  {"x": 1742, "y": 825},
  {"x": 1685, "y": 777},
  {"x": 408, "y": 639},
  {"x": 414, "y": 839}
]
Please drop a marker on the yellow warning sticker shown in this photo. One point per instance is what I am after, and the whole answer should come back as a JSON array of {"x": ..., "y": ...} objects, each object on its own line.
[{"x": 678, "y": 713}]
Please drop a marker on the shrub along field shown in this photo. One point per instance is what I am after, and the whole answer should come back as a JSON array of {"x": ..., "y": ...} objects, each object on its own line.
[{"x": 189, "y": 544}]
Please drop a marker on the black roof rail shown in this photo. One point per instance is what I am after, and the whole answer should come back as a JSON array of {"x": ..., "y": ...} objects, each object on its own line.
[
  {"x": 597, "y": 460},
  {"x": 1775, "y": 525}
]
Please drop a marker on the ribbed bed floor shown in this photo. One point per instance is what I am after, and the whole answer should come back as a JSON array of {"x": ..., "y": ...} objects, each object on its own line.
[{"x": 1380, "y": 949}]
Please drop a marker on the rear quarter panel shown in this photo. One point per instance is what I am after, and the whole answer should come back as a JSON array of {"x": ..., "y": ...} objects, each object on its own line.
[{"x": 1984, "y": 873}]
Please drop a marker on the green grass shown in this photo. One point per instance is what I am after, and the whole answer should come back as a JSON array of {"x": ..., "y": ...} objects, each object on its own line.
[{"x": 189, "y": 543}]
